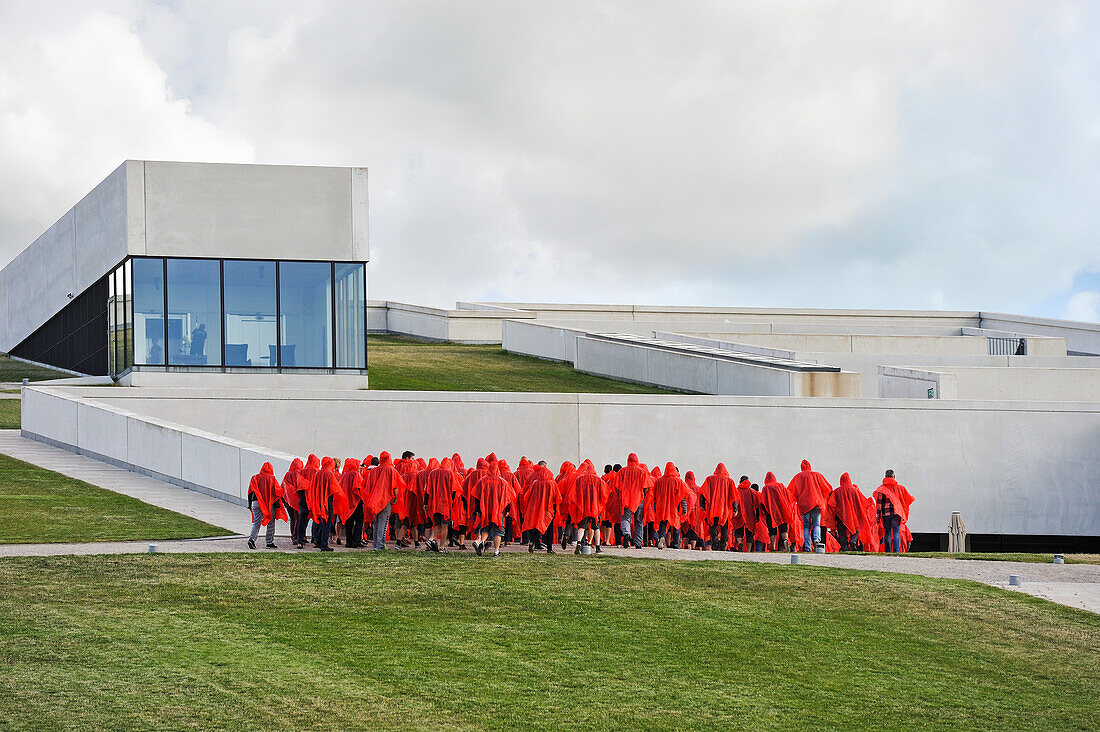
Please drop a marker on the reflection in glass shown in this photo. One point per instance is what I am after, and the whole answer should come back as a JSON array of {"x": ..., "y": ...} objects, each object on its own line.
[
  {"x": 148, "y": 277},
  {"x": 305, "y": 307},
  {"x": 351, "y": 335},
  {"x": 250, "y": 327},
  {"x": 194, "y": 312}
]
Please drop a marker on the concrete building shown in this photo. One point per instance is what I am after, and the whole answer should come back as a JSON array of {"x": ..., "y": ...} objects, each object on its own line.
[
  {"x": 198, "y": 268},
  {"x": 993, "y": 415}
]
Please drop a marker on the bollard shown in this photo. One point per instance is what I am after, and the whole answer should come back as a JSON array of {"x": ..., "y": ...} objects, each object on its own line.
[
  {"x": 152, "y": 548},
  {"x": 1014, "y": 580},
  {"x": 794, "y": 559},
  {"x": 586, "y": 549},
  {"x": 26, "y": 381},
  {"x": 1059, "y": 559},
  {"x": 819, "y": 548}
]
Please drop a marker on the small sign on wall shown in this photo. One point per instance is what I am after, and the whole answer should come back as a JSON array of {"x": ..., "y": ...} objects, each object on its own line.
[{"x": 931, "y": 392}]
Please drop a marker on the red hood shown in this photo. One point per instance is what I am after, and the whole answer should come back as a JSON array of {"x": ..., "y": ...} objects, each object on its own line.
[
  {"x": 504, "y": 466},
  {"x": 313, "y": 461},
  {"x": 745, "y": 485},
  {"x": 482, "y": 463},
  {"x": 327, "y": 463},
  {"x": 296, "y": 464},
  {"x": 632, "y": 459},
  {"x": 445, "y": 463},
  {"x": 434, "y": 464},
  {"x": 385, "y": 460},
  {"x": 806, "y": 465},
  {"x": 543, "y": 473},
  {"x": 351, "y": 465},
  {"x": 456, "y": 461},
  {"x": 720, "y": 471},
  {"x": 769, "y": 479},
  {"x": 267, "y": 469},
  {"x": 846, "y": 481},
  {"x": 689, "y": 478},
  {"x": 671, "y": 471}
]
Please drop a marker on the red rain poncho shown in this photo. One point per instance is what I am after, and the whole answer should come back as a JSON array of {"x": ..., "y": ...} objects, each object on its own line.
[
  {"x": 848, "y": 504},
  {"x": 305, "y": 475},
  {"x": 666, "y": 495},
  {"x": 493, "y": 495},
  {"x": 587, "y": 494},
  {"x": 351, "y": 482},
  {"x": 613, "y": 507},
  {"x": 326, "y": 485},
  {"x": 439, "y": 489},
  {"x": 383, "y": 485},
  {"x": 811, "y": 489},
  {"x": 540, "y": 505},
  {"x": 565, "y": 489},
  {"x": 751, "y": 519},
  {"x": 264, "y": 486},
  {"x": 418, "y": 492},
  {"x": 290, "y": 484},
  {"x": 900, "y": 497},
  {"x": 776, "y": 501},
  {"x": 633, "y": 481},
  {"x": 718, "y": 495}
]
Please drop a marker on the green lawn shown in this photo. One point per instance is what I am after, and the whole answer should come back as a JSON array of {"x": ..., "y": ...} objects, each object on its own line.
[
  {"x": 41, "y": 506},
  {"x": 12, "y": 370},
  {"x": 403, "y": 641},
  {"x": 408, "y": 364},
  {"x": 1010, "y": 557},
  {"x": 10, "y": 416}
]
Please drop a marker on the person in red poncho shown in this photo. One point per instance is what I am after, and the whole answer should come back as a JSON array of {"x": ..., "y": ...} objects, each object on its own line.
[
  {"x": 290, "y": 497},
  {"x": 753, "y": 535},
  {"x": 587, "y": 496},
  {"x": 352, "y": 483},
  {"x": 634, "y": 481},
  {"x": 492, "y": 496},
  {"x": 775, "y": 505},
  {"x": 846, "y": 515},
  {"x": 893, "y": 501},
  {"x": 666, "y": 496},
  {"x": 718, "y": 497},
  {"x": 693, "y": 526},
  {"x": 304, "y": 481},
  {"x": 326, "y": 500},
  {"x": 264, "y": 493},
  {"x": 812, "y": 490},
  {"x": 540, "y": 509},
  {"x": 384, "y": 485},
  {"x": 611, "y": 519},
  {"x": 438, "y": 489}
]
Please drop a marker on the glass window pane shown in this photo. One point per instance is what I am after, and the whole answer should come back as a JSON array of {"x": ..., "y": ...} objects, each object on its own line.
[
  {"x": 305, "y": 311},
  {"x": 351, "y": 336},
  {"x": 119, "y": 355},
  {"x": 194, "y": 312},
  {"x": 250, "y": 328},
  {"x": 127, "y": 317},
  {"x": 112, "y": 326},
  {"x": 149, "y": 311}
]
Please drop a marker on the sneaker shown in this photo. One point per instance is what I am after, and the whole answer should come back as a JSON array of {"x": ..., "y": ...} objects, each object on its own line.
[
  {"x": 462, "y": 547},
  {"x": 442, "y": 550},
  {"x": 478, "y": 547},
  {"x": 337, "y": 541},
  {"x": 496, "y": 552},
  {"x": 661, "y": 543},
  {"x": 598, "y": 550},
  {"x": 578, "y": 549},
  {"x": 550, "y": 549},
  {"x": 251, "y": 543},
  {"x": 327, "y": 549},
  {"x": 272, "y": 546}
]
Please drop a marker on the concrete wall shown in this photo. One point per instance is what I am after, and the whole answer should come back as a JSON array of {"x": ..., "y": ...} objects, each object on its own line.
[
  {"x": 84, "y": 244},
  {"x": 543, "y": 340},
  {"x": 1027, "y": 384},
  {"x": 254, "y": 211},
  {"x": 1013, "y": 468},
  {"x": 457, "y": 326},
  {"x": 876, "y": 344},
  {"x": 185, "y": 456},
  {"x": 244, "y": 380},
  {"x": 900, "y": 383}
]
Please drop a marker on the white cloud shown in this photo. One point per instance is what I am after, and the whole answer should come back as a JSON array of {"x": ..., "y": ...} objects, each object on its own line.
[
  {"x": 1084, "y": 306},
  {"x": 925, "y": 154}
]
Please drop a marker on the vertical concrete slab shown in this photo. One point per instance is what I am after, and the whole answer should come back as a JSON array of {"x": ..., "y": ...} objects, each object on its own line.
[
  {"x": 50, "y": 416},
  {"x": 212, "y": 464},
  {"x": 101, "y": 430},
  {"x": 360, "y": 229},
  {"x": 155, "y": 445}
]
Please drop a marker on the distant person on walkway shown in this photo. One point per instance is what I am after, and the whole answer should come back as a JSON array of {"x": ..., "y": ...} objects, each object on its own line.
[
  {"x": 198, "y": 340},
  {"x": 351, "y": 480},
  {"x": 326, "y": 501},
  {"x": 848, "y": 515},
  {"x": 263, "y": 500},
  {"x": 775, "y": 505},
  {"x": 666, "y": 496},
  {"x": 290, "y": 497},
  {"x": 540, "y": 508},
  {"x": 588, "y": 494},
  {"x": 811, "y": 490},
  {"x": 492, "y": 497},
  {"x": 893, "y": 502}
]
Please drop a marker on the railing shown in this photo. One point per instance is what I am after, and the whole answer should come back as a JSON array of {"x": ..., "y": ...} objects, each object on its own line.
[{"x": 1007, "y": 346}]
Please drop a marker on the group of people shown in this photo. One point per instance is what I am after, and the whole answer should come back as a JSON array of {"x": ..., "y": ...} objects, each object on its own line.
[{"x": 442, "y": 503}]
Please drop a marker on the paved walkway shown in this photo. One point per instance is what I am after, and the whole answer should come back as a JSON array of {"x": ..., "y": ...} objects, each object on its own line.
[
  {"x": 1075, "y": 585},
  {"x": 158, "y": 493}
]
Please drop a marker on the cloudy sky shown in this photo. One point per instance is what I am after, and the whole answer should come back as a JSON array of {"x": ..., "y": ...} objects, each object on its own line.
[{"x": 822, "y": 154}]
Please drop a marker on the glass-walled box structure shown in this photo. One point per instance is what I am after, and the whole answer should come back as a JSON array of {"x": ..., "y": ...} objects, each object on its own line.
[{"x": 230, "y": 315}]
